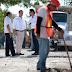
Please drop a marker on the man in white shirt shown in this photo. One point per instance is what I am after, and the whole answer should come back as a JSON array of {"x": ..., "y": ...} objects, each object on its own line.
[
  {"x": 8, "y": 33},
  {"x": 19, "y": 27},
  {"x": 32, "y": 22}
]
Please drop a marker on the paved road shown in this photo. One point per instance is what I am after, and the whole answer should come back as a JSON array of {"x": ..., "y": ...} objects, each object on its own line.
[{"x": 27, "y": 63}]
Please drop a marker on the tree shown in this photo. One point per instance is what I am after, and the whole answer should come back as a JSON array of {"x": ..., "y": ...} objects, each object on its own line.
[
  {"x": 26, "y": 3},
  {"x": 14, "y": 2},
  {"x": 36, "y": 3},
  {"x": 2, "y": 16},
  {"x": 44, "y": 1}
]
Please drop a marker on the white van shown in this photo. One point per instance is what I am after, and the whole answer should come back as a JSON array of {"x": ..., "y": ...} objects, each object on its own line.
[{"x": 61, "y": 19}]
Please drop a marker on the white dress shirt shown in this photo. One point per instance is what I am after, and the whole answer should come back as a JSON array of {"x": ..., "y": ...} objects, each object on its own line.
[
  {"x": 7, "y": 21},
  {"x": 33, "y": 21},
  {"x": 19, "y": 24}
]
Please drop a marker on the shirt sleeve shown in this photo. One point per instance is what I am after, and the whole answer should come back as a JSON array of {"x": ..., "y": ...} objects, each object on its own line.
[
  {"x": 29, "y": 21},
  {"x": 56, "y": 26},
  {"x": 14, "y": 24},
  {"x": 41, "y": 12},
  {"x": 7, "y": 21},
  {"x": 39, "y": 24}
]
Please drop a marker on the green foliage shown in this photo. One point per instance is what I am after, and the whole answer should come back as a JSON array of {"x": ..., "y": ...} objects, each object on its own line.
[
  {"x": 44, "y": 1},
  {"x": 14, "y": 2},
  {"x": 2, "y": 16},
  {"x": 70, "y": 3},
  {"x": 26, "y": 3},
  {"x": 36, "y": 3}
]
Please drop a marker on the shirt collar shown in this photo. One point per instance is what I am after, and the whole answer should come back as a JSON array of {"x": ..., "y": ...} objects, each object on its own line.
[
  {"x": 20, "y": 18},
  {"x": 8, "y": 17},
  {"x": 33, "y": 16}
]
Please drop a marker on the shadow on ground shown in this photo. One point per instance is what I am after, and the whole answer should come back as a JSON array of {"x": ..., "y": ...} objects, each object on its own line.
[{"x": 58, "y": 70}]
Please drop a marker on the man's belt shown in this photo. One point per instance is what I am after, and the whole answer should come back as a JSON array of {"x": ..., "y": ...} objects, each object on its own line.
[
  {"x": 46, "y": 27},
  {"x": 20, "y": 30}
]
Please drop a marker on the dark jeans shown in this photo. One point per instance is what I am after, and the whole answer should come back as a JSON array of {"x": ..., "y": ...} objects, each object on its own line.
[
  {"x": 35, "y": 42},
  {"x": 24, "y": 41},
  {"x": 9, "y": 45},
  {"x": 2, "y": 44},
  {"x": 54, "y": 45},
  {"x": 23, "y": 45}
]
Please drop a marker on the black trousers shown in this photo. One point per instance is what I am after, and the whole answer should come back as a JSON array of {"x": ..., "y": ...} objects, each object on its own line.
[{"x": 9, "y": 45}]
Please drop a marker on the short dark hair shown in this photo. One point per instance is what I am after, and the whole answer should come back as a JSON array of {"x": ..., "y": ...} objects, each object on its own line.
[
  {"x": 8, "y": 13},
  {"x": 20, "y": 11},
  {"x": 32, "y": 10}
]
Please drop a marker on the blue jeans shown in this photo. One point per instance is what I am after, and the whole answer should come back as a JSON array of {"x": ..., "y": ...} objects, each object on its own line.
[
  {"x": 43, "y": 53},
  {"x": 2, "y": 44},
  {"x": 35, "y": 42}
]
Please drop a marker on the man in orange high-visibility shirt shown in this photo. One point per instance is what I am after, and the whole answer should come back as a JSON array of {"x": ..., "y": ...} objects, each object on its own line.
[{"x": 44, "y": 30}]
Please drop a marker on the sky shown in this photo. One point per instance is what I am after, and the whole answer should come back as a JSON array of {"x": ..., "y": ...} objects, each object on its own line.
[{"x": 16, "y": 8}]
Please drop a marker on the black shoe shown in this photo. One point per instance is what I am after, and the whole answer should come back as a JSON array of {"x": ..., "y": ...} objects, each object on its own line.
[
  {"x": 13, "y": 55},
  {"x": 21, "y": 54},
  {"x": 7, "y": 55},
  {"x": 38, "y": 68},
  {"x": 35, "y": 53}
]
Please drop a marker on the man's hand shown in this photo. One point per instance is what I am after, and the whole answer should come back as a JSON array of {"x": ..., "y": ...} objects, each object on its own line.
[
  {"x": 62, "y": 32},
  {"x": 38, "y": 36},
  {"x": 16, "y": 33},
  {"x": 25, "y": 30},
  {"x": 30, "y": 24},
  {"x": 10, "y": 35}
]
